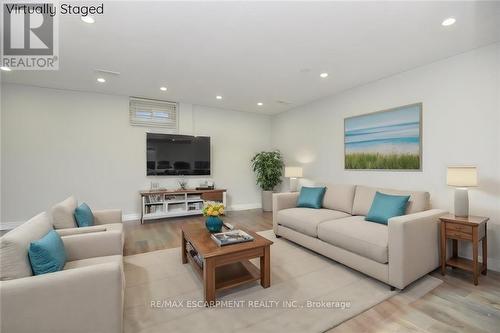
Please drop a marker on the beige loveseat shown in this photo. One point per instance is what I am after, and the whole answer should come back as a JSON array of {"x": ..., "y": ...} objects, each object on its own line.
[
  {"x": 86, "y": 296},
  {"x": 397, "y": 254},
  {"x": 64, "y": 222}
]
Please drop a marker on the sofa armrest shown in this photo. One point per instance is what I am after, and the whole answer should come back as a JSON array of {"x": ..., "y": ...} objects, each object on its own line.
[
  {"x": 283, "y": 201},
  {"x": 80, "y": 230},
  {"x": 96, "y": 244},
  {"x": 106, "y": 216},
  {"x": 86, "y": 299},
  {"x": 413, "y": 246}
]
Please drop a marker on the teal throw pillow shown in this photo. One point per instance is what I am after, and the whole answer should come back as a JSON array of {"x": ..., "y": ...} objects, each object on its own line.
[
  {"x": 385, "y": 206},
  {"x": 47, "y": 254},
  {"x": 83, "y": 216},
  {"x": 311, "y": 197}
]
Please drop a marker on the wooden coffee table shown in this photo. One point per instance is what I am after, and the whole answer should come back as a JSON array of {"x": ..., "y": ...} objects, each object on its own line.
[{"x": 224, "y": 267}]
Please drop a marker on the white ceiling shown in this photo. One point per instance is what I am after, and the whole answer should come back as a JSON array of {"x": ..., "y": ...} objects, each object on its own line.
[{"x": 251, "y": 52}]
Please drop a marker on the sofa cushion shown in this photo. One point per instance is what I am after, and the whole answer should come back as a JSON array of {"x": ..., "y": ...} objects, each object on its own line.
[
  {"x": 386, "y": 206},
  {"x": 62, "y": 214},
  {"x": 363, "y": 198},
  {"x": 14, "y": 247},
  {"x": 311, "y": 197},
  {"x": 339, "y": 197},
  {"x": 306, "y": 220},
  {"x": 93, "y": 261},
  {"x": 47, "y": 255},
  {"x": 354, "y": 234}
]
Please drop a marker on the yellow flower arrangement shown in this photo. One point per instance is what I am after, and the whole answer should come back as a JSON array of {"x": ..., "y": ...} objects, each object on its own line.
[{"x": 213, "y": 208}]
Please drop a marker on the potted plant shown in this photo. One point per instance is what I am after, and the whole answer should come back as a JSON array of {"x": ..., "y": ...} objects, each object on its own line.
[{"x": 268, "y": 167}]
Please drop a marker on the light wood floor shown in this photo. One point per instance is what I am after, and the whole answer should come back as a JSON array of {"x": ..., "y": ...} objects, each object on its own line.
[
  {"x": 455, "y": 306},
  {"x": 164, "y": 234}
]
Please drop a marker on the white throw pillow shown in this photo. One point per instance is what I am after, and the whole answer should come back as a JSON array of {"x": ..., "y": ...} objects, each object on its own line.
[
  {"x": 62, "y": 214},
  {"x": 14, "y": 247}
]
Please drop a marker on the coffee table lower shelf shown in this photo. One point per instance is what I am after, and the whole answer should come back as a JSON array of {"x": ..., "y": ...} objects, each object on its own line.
[{"x": 231, "y": 275}]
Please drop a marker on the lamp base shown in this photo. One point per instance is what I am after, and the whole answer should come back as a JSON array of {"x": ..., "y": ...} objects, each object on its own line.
[
  {"x": 293, "y": 184},
  {"x": 461, "y": 202}
]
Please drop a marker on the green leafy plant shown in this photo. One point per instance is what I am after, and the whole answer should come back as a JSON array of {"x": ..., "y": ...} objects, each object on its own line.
[{"x": 268, "y": 167}]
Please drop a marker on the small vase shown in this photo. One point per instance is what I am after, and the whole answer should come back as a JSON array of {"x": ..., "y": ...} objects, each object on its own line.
[{"x": 213, "y": 224}]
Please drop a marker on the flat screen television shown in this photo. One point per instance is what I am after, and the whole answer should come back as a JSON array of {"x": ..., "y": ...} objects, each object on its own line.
[{"x": 174, "y": 155}]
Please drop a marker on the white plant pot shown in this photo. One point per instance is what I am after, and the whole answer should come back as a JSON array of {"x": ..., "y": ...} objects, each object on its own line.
[{"x": 267, "y": 201}]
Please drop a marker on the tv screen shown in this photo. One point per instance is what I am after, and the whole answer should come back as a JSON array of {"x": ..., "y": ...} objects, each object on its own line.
[{"x": 174, "y": 155}]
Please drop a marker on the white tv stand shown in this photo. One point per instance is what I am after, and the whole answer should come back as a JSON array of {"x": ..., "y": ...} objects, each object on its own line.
[{"x": 160, "y": 204}]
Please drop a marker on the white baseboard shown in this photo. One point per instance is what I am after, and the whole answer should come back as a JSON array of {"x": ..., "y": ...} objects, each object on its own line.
[
  {"x": 131, "y": 217},
  {"x": 244, "y": 206},
  {"x": 494, "y": 264}
]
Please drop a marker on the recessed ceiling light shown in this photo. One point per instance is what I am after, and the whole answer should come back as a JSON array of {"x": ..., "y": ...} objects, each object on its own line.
[
  {"x": 163, "y": 88},
  {"x": 260, "y": 104},
  {"x": 88, "y": 19},
  {"x": 5, "y": 68},
  {"x": 323, "y": 75},
  {"x": 101, "y": 80},
  {"x": 218, "y": 97},
  {"x": 449, "y": 21}
]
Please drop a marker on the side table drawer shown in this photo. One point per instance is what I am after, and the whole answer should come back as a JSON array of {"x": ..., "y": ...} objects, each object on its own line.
[
  {"x": 458, "y": 228},
  {"x": 458, "y": 235}
]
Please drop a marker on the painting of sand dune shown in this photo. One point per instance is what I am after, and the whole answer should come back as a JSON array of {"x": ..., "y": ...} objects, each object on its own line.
[{"x": 384, "y": 140}]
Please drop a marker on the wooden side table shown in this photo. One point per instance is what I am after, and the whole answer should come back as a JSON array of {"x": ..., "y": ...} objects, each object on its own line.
[{"x": 470, "y": 228}]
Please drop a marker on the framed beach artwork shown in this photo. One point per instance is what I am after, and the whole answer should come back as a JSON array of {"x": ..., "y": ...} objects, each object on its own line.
[{"x": 384, "y": 140}]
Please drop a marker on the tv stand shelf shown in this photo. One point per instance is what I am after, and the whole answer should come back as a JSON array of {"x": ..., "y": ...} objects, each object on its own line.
[{"x": 160, "y": 204}]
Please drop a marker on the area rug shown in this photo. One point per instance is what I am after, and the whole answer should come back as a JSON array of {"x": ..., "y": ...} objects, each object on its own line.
[{"x": 308, "y": 293}]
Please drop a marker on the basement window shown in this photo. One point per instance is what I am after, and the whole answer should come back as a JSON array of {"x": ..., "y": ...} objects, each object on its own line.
[{"x": 153, "y": 113}]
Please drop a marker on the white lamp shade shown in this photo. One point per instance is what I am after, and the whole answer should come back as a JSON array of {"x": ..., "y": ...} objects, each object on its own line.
[
  {"x": 293, "y": 172},
  {"x": 461, "y": 176}
]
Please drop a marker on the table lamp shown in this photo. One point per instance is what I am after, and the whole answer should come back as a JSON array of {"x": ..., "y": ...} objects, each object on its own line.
[
  {"x": 293, "y": 173},
  {"x": 461, "y": 177}
]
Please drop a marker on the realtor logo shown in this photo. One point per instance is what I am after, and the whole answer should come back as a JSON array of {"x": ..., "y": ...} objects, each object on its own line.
[{"x": 29, "y": 40}]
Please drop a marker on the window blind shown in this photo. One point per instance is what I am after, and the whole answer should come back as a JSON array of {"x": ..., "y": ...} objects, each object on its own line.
[{"x": 153, "y": 113}]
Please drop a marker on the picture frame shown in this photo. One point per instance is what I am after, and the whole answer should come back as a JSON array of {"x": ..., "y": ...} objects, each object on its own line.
[{"x": 386, "y": 140}]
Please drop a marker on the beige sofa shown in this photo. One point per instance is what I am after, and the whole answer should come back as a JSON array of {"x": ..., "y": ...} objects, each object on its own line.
[
  {"x": 64, "y": 222},
  {"x": 396, "y": 254},
  {"x": 86, "y": 296}
]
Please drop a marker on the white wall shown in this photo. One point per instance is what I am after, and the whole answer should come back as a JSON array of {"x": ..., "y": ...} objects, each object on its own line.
[
  {"x": 56, "y": 143},
  {"x": 461, "y": 124}
]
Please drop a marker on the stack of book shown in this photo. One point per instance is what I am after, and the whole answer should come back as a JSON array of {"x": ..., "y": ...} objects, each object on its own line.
[
  {"x": 192, "y": 252},
  {"x": 231, "y": 237}
]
